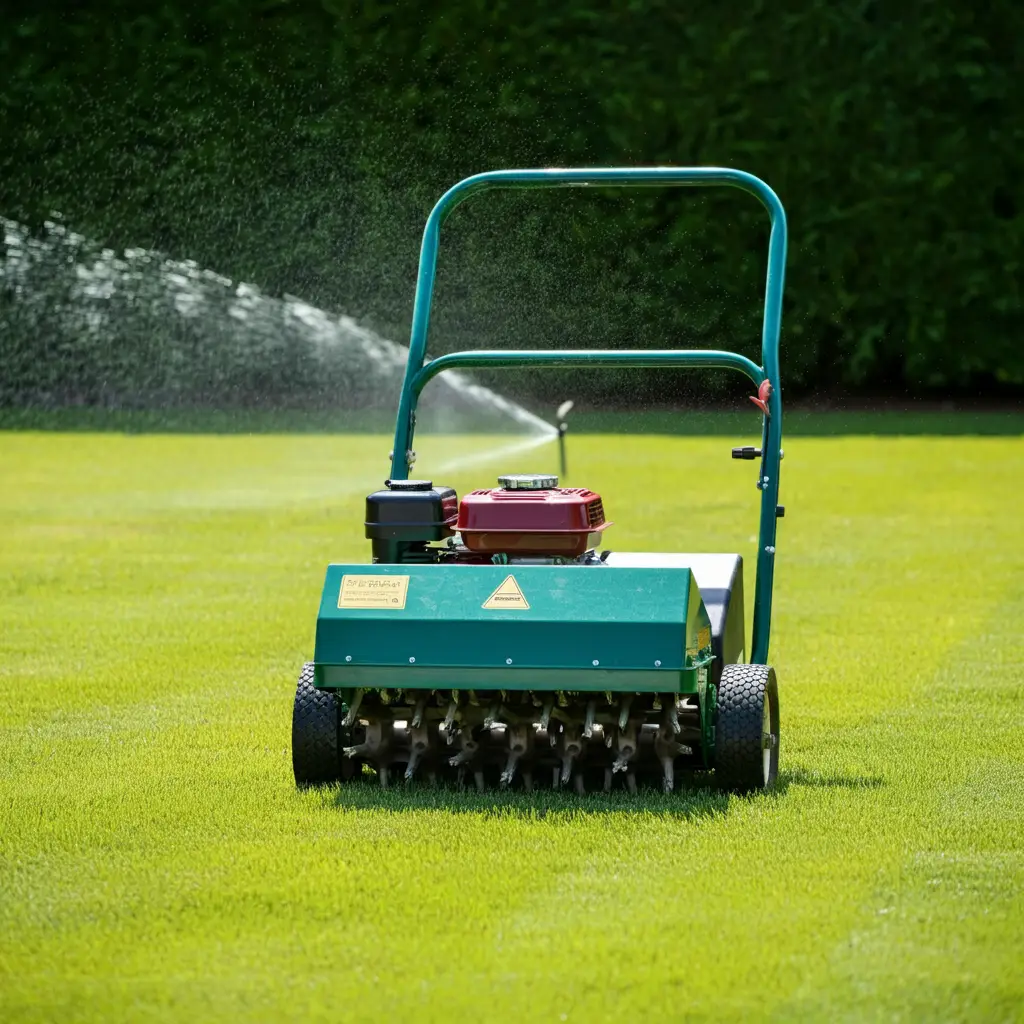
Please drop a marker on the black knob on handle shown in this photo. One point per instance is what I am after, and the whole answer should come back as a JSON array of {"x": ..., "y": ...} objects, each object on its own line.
[{"x": 746, "y": 453}]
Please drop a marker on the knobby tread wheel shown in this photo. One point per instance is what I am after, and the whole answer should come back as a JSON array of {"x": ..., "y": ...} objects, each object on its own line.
[
  {"x": 317, "y": 758},
  {"x": 746, "y": 733}
]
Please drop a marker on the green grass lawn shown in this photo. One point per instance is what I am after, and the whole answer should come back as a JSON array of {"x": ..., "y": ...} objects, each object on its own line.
[{"x": 158, "y": 596}]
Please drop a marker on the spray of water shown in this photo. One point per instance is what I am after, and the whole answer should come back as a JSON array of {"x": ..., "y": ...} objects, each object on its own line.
[{"x": 84, "y": 325}]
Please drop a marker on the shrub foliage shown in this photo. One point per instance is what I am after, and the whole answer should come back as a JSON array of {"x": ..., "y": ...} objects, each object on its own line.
[{"x": 299, "y": 145}]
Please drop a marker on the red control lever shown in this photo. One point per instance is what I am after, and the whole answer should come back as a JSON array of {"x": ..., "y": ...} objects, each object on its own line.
[{"x": 761, "y": 399}]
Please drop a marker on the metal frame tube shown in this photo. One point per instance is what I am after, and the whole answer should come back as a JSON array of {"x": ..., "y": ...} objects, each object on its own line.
[
  {"x": 667, "y": 358},
  {"x": 417, "y": 374}
]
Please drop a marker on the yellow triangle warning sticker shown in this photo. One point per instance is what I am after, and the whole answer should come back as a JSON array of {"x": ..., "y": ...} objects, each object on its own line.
[{"x": 508, "y": 595}]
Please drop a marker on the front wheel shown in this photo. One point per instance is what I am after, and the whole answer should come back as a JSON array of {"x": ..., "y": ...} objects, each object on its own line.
[
  {"x": 747, "y": 728},
  {"x": 317, "y": 749}
]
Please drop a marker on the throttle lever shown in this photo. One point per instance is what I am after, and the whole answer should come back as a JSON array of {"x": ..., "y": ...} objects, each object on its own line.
[{"x": 747, "y": 453}]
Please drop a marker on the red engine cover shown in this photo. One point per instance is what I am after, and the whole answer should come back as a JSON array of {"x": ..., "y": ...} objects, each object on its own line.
[{"x": 564, "y": 521}]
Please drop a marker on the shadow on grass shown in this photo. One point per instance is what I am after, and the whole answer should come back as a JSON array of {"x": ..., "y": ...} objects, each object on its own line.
[
  {"x": 696, "y": 797},
  {"x": 691, "y": 801},
  {"x": 825, "y": 780}
]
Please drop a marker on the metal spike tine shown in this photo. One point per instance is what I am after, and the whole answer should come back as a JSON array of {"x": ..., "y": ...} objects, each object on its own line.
[
  {"x": 535, "y": 700},
  {"x": 420, "y": 744},
  {"x": 588, "y": 721},
  {"x": 357, "y": 751},
  {"x": 432, "y": 779},
  {"x": 669, "y": 781},
  {"x": 656, "y": 703},
  {"x": 627, "y": 700},
  {"x": 581, "y": 788},
  {"x": 517, "y": 740},
  {"x": 608, "y": 697},
  {"x": 566, "y": 769},
  {"x": 449, "y": 720},
  {"x": 607, "y": 780},
  {"x": 472, "y": 698},
  {"x": 673, "y": 718},
  {"x": 478, "y": 778},
  {"x": 609, "y": 738},
  {"x": 353, "y": 708},
  {"x": 382, "y": 771},
  {"x": 554, "y": 778},
  {"x": 545, "y": 715},
  {"x": 631, "y": 782},
  {"x": 510, "y": 769},
  {"x": 493, "y": 715},
  {"x": 528, "y": 781},
  {"x": 563, "y": 701},
  {"x": 460, "y": 758},
  {"x": 417, "y": 715}
]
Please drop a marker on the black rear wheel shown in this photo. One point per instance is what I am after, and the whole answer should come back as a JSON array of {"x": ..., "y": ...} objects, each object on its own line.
[
  {"x": 317, "y": 735},
  {"x": 747, "y": 728}
]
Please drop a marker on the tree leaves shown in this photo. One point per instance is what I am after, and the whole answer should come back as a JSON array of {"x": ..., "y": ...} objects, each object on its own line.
[{"x": 300, "y": 145}]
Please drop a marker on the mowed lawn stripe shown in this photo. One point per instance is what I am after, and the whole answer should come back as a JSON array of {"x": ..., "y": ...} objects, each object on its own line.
[{"x": 155, "y": 859}]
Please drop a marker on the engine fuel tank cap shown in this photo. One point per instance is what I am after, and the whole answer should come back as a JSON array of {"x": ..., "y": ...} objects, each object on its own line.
[
  {"x": 410, "y": 485},
  {"x": 528, "y": 482}
]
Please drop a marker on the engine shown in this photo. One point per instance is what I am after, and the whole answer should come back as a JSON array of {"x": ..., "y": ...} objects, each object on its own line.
[
  {"x": 513, "y": 671},
  {"x": 525, "y": 519}
]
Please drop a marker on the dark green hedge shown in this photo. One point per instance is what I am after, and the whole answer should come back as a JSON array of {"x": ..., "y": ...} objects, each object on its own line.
[{"x": 300, "y": 145}]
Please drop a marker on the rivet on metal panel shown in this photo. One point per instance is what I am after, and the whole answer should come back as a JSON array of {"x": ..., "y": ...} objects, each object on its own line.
[
  {"x": 770, "y": 550},
  {"x": 348, "y": 657},
  {"x": 508, "y": 661},
  {"x": 412, "y": 661},
  {"x": 657, "y": 664},
  {"x": 596, "y": 663}
]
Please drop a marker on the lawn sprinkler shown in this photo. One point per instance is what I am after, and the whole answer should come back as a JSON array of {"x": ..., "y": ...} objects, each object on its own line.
[
  {"x": 563, "y": 428},
  {"x": 490, "y": 642}
]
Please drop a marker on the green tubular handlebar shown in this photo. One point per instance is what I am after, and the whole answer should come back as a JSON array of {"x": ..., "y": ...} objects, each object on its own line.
[
  {"x": 694, "y": 358},
  {"x": 417, "y": 374}
]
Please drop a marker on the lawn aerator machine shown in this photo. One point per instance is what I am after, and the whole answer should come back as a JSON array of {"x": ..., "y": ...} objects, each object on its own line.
[{"x": 491, "y": 642}]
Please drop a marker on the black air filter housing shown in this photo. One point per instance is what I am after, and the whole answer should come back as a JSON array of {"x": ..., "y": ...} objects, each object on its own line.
[{"x": 402, "y": 519}]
